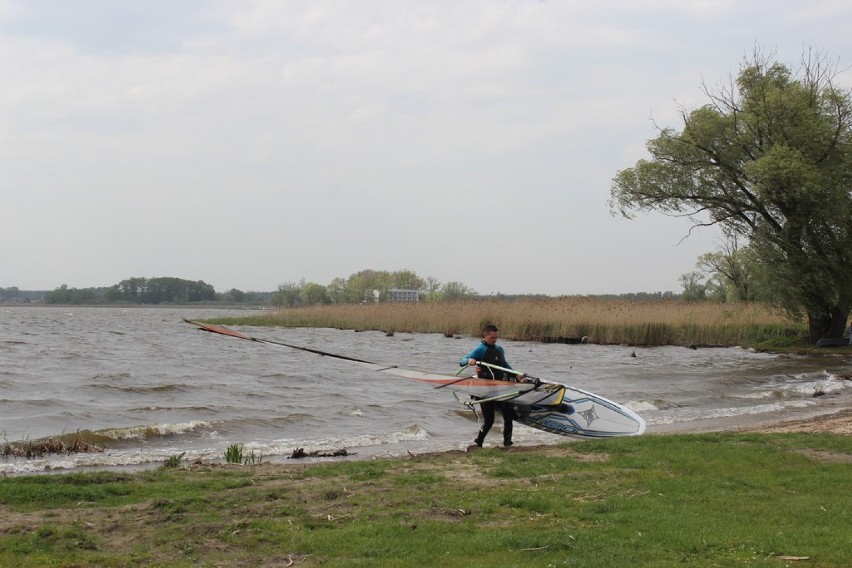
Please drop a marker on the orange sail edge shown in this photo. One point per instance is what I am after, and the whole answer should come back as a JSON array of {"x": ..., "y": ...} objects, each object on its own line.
[{"x": 220, "y": 329}]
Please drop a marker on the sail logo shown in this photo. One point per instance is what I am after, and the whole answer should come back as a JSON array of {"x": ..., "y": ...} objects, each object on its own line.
[{"x": 590, "y": 415}]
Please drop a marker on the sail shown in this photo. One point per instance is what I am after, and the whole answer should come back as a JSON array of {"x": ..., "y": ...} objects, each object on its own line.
[{"x": 545, "y": 405}]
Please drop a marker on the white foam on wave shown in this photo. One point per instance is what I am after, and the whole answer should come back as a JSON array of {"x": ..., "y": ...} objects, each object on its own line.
[
  {"x": 761, "y": 395},
  {"x": 640, "y": 406},
  {"x": 757, "y": 409},
  {"x": 414, "y": 432},
  {"x": 825, "y": 387},
  {"x": 94, "y": 460},
  {"x": 799, "y": 385},
  {"x": 153, "y": 430},
  {"x": 730, "y": 412},
  {"x": 148, "y": 456}
]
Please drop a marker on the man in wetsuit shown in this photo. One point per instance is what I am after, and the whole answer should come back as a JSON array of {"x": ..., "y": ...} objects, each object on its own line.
[{"x": 489, "y": 352}]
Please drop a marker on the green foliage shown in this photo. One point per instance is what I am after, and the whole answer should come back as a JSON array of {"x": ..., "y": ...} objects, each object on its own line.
[
  {"x": 694, "y": 287},
  {"x": 137, "y": 291},
  {"x": 312, "y": 294},
  {"x": 455, "y": 291},
  {"x": 766, "y": 160},
  {"x": 15, "y": 295},
  {"x": 10, "y": 293},
  {"x": 173, "y": 462},
  {"x": 288, "y": 294},
  {"x": 366, "y": 286},
  {"x": 234, "y": 454},
  {"x": 731, "y": 274},
  {"x": 159, "y": 290},
  {"x": 75, "y": 296}
]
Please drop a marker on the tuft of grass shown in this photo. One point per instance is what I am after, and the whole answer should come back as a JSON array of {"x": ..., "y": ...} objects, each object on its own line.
[
  {"x": 173, "y": 462},
  {"x": 252, "y": 459},
  {"x": 234, "y": 454}
]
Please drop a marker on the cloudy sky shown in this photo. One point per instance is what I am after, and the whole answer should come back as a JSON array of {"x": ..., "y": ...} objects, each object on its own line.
[{"x": 251, "y": 143}]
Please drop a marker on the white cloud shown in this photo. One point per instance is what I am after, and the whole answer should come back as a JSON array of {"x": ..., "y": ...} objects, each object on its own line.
[{"x": 248, "y": 144}]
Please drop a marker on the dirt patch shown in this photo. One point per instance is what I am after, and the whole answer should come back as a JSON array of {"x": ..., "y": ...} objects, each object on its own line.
[
  {"x": 825, "y": 456},
  {"x": 838, "y": 423}
]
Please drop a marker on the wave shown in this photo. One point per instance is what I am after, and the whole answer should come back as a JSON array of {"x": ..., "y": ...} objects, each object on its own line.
[
  {"x": 34, "y": 402},
  {"x": 144, "y": 432},
  {"x": 757, "y": 409},
  {"x": 158, "y": 408},
  {"x": 731, "y": 412},
  {"x": 415, "y": 432},
  {"x": 277, "y": 422},
  {"x": 799, "y": 385},
  {"x": 640, "y": 406},
  {"x": 110, "y": 376},
  {"x": 135, "y": 389},
  {"x": 353, "y": 411}
]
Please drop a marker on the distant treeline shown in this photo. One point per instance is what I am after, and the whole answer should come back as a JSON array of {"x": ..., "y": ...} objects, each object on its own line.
[
  {"x": 366, "y": 286},
  {"x": 137, "y": 291},
  {"x": 16, "y": 296}
]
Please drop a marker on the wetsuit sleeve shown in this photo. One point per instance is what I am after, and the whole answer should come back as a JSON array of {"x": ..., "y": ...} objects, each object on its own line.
[
  {"x": 503, "y": 354},
  {"x": 475, "y": 353}
]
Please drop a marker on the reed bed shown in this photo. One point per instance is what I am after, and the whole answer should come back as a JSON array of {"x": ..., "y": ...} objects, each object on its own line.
[{"x": 569, "y": 319}]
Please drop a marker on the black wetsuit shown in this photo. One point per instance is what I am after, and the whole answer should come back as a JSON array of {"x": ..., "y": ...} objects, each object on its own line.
[{"x": 492, "y": 354}]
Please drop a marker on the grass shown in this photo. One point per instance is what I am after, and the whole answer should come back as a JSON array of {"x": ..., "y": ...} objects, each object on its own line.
[
  {"x": 665, "y": 322},
  {"x": 677, "y": 500},
  {"x": 236, "y": 454},
  {"x": 174, "y": 461}
]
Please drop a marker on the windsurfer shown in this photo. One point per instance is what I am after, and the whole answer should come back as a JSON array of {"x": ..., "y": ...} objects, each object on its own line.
[{"x": 489, "y": 352}]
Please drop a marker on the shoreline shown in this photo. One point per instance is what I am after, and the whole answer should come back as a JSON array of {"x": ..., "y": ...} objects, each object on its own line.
[{"x": 837, "y": 421}]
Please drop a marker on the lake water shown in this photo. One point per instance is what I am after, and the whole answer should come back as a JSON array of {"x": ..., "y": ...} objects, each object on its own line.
[{"x": 146, "y": 386}]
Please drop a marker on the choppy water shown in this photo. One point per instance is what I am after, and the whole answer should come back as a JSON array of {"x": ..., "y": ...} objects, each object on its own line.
[{"x": 146, "y": 386}]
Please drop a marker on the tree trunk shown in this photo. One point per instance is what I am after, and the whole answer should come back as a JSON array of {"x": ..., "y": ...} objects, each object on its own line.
[{"x": 827, "y": 324}]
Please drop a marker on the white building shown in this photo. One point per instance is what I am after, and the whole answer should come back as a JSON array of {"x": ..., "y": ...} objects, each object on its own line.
[{"x": 404, "y": 295}]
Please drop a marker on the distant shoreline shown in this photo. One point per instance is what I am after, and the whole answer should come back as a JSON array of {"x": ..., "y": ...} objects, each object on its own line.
[
  {"x": 568, "y": 320},
  {"x": 243, "y": 307}
]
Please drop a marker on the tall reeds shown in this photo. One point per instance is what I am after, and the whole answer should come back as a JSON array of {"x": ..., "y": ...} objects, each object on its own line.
[{"x": 567, "y": 319}]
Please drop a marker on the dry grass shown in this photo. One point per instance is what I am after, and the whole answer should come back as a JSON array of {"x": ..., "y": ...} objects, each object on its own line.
[
  {"x": 38, "y": 448},
  {"x": 555, "y": 319}
]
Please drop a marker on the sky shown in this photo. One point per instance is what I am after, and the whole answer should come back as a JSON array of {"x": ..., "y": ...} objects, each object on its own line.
[{"x": 251, "y": 143}]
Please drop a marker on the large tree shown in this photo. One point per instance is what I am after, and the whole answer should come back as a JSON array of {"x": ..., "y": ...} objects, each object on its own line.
[{"x": 769, "y": 158}]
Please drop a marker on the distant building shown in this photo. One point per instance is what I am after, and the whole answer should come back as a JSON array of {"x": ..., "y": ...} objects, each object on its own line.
[{"x": 404, "y": 295}]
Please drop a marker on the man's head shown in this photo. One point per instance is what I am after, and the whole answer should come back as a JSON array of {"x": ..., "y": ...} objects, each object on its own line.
[{"x": 490, "y": 333}]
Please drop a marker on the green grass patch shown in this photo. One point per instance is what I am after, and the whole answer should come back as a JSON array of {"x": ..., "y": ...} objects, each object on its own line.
[{"x": 675, "y": 500}]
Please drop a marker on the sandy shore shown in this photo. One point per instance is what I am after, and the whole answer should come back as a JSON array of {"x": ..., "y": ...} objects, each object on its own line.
[{"x": 837, "y": 423}]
